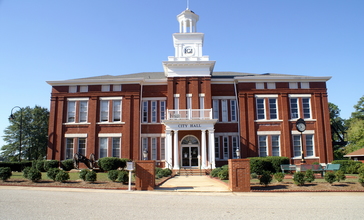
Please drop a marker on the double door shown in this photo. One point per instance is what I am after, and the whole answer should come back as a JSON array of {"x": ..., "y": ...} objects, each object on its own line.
[{"x": 190, "y": 156}]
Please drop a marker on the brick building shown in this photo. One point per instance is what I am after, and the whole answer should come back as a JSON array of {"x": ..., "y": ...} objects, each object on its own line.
[{"x": 189, "y": 115}]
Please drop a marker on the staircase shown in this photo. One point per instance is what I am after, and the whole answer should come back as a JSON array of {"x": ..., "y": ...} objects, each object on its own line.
[{"x": 192, "y": 172}]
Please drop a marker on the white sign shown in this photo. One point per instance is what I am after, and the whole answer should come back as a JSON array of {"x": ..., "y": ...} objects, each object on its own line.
[{"x": 129, "y": 165}]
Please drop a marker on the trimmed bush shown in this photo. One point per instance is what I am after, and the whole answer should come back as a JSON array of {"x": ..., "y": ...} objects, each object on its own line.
[
  {"x": 52, "y": 173},
  {"x": 91, "y": 176},
  {"x": 266, "y": 178},
  {"x": 215, "y": 172},
  {"x": 109, "y": 163},
  {"x": 309, "y": 176},
  {"x": 340, "y": 175},
  {"x": 26, "y": 171},
  {"x": 34, "y": 175},
  {"x": 40, "y": 165},
  {"x": 113, "y": 175},
  {"x": 48, "y": 164},
  {"x": 348, "y": 166},
  {"x": 123, "y": 176},
  {"x": 299, "y": 178},
  {"x": 361, "y": 168},
  {"x": 224, "y": 174},
  {"x": 279, "y": 176},
  {"x": 5, "y": 173},
  {"x": 330, "y": 177},
  {"x": 83, "y": 174},
  {"x": 270, "y": 163},
  {"x": 67, "y": 165},
  {"x": 361, "y": 178},
  {"x": 62, "y": 176}
]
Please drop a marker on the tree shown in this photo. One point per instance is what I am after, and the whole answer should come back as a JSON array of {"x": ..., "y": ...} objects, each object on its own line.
[
  {"x": 338, "y": 131},
  {"x": 356, "y": 128},
  {"x": 359, "y": 110},
  {"x": 34, "y": 135}
]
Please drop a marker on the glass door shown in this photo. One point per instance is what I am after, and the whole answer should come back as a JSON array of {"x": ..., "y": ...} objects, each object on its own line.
[{"x": 190, "y": 156}]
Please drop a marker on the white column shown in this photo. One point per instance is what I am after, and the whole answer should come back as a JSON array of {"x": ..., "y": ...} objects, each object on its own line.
[
  {"x": 203, "y": 149},
  {"x": 168, "y": 149},
  {"x": 176, "y": 153},
  {"x": 212, "y": 148}
]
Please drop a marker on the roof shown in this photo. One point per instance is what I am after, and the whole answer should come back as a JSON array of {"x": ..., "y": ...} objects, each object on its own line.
[{"x": 358, "y": 153}]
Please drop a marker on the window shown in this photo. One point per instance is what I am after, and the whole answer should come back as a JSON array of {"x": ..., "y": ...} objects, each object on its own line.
[
  {"x": 259, "y": 85},
  {"x": 69, "y": 148},
  {"x": 217, "y": 147},
  {"x": 154, "y": 111},
  {"x": 224, "y": 110},
  {"x": 105, "y": 88},
  {"x": 83, "y": 88},
  {"x": 116, "y": 88},
  {"x": 189, "y": 101},
  {"x": 83, "y": 111},
  {"x": 176, "y": 101},
  {"x": 226, "y": 147},
  {"x": 163, "y": 109},
  {"x": 235, "y": 146},
  {"x": 103, "y": 147},
  {"x": 72, "y": 89},
  {"x": 260, "y": 109},
  {"x": 271, "y": 85},
  {"x": 154, "y": 148},
  {"x": 145, "y": 111},
  {"x": 297, "y": 145},
  {"x": 215, "y": 108},
  {"x": 293, "y": 85},
  {"x": 275, "y": 145},
  {"x": 71, "y": 111},
  {"x": 300, "y": 106},
  {"x": 110, "y": 109},
  {"x": 202, "y": 101},
  {"x": 82, "y": 146},
  {"x": 273, "y": 109},
  {"x": 163, "y": 148},
  {"x": 309, "y": 145},
  {"x": 144, "y": 146},
  {"x": 233, "y": 110},
  {"x": 116, "y": 147},
  {"x": 305, "y": 85},
  {"x": 263, "y": 151}
]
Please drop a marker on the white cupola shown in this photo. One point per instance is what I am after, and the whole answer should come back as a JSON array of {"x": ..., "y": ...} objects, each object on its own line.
[{"x": 188, "y": 59}]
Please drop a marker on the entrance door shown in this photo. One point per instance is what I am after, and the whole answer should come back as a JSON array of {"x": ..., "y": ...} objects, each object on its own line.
[{"x": 190, "y": 156}]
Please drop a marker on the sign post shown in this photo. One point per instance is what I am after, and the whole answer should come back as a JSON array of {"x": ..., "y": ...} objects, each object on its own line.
[{"x": 130, "y": 166}]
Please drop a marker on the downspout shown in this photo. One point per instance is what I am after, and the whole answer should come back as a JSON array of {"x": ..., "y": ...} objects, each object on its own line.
[
  {"x": 238, "y": 114},
  {"x": 140, "y": 120}
]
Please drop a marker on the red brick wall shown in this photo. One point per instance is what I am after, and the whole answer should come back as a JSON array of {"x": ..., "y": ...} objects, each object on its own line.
[
  {"x": 239, "y": 175},
  {"x": 145, "y": 174}
]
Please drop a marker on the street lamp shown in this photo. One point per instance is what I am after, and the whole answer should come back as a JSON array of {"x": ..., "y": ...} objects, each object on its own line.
[
  {"x": 237, "y": 153},
  {"x": 11, "y": 117},
  {"x": 301, "y": 127},
  {"x": 145, "y": 154}
]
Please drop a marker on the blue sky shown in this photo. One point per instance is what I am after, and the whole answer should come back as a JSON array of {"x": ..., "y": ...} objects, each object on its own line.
[{"x": 43, "y": 40}]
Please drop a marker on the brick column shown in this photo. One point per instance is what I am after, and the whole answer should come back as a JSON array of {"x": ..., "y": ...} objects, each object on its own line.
[
  {"x": 145, "y": 174},
  {"x": 239, "y": 175}
]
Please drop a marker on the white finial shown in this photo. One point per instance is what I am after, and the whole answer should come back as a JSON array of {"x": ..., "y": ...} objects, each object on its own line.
[{"x": 188, "y": 4}]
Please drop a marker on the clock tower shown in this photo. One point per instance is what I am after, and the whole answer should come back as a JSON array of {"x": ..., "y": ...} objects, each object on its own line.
[{"x": 188, "y": 59}]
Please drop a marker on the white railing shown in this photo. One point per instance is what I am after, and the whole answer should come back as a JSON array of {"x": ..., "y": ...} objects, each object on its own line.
[{"x": 189, "y": 114}]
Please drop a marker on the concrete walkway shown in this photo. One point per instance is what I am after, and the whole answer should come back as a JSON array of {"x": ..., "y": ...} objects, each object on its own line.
[{"x": 193, "y": 184}]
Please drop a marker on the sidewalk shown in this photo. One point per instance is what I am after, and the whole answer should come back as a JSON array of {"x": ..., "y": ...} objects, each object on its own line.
[{"x": 193, "y": 184}]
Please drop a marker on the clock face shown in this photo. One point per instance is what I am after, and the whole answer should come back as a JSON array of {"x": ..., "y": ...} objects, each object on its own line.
[
  {"x": 301, "y": 127},
  {"x": 189, "y": 51}
]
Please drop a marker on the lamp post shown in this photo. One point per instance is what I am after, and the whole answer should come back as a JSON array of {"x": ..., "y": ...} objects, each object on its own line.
[
  {"x": 145, "y": 154},
  {"x": 11, "y": 117},
  {"x": 238, "y": 153},
  {"x": 301, "y": 127}
]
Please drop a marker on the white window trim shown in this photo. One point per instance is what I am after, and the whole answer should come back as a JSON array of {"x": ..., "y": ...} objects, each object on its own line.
[
  {"x": 111, "y": 98},
  {"x": 267, "y": 96},
  {"x": 75, "y": 135},
  {"x": 266, "y": 145},
  {"x": 110, "y": 135},
  {"x": 299, "y": 95}
]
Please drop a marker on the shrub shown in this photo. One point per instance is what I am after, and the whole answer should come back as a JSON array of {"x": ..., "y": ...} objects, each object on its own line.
[
  {"x": 48, "y": 164},
  {"x": 158, "y": 173},
  {"x": 5, "y": 173},
  {"x": 266, "y": 178},
  {"x": 52, "y": 173},
  {"x": 309, "y": 176},
  {"x": 16, "y": 166},
  {"x": 123, "y": 176},
  {"x": 271, "y": 163},
  {"x": 330, "y": 177},
  {"x": 40, "y": 165},
  {"x": 123, "y": 162},
  {"x": 34, "y": 175},
  {"x": 361, "y": 178},
  {"x": 224, "y": 174},
  {"x": 215, "y": 172},
  {"x": 67, "y": 165},
  {"x": 113, "y": 175},
  {"x": 299, "y": 178},
  {"x": 109, "y": 163},
  {"x": 279, "y": 176},
  {"x": 167, "y": 172},
  {"x": 26, "y": 171},
  {"x": 361, "y": 168},
  {"x": 91, "y": 176},
  {"x": 348, "y": 166},
  {"x": 62, "y": 176},
  {"x": 253, "y": 176},
  {"x": 340, "y": 175},
  {"x": 83, "y": 174}
]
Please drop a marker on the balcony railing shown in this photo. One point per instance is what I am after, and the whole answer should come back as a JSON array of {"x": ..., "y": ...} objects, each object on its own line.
[{"x": 189, "y": 114}]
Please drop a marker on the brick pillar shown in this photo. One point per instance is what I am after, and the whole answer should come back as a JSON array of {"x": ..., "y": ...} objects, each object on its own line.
[
  {"x": 239, "y": 175},
  {"x": 145, "y": 174}
]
